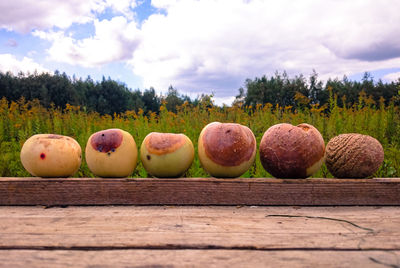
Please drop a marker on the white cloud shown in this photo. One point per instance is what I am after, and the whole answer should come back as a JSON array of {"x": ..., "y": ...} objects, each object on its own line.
[
  {"x": 214, "y": 45},
  {"x": 124, "y": 7},
  {"x": 114, "y": 40},
  {"x": 163, "y": 3},
  {"x": 10, "y": 63},
  {"x": 224, "y": 100},
  {"x": 26, "y": 15},
  {"x": 392, "y": 77}
]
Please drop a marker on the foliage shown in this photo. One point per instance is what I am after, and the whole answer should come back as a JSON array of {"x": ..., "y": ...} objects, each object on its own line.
[
  {"x": 285, "y": 91},
  {"x": 108, "y": 96},
  {"x": 105, "y": 97},
  {"x": 22, "y": 118}
]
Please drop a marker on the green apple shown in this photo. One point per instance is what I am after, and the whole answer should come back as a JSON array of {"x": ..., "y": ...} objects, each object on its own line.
[{"x": 166, "y": 155}]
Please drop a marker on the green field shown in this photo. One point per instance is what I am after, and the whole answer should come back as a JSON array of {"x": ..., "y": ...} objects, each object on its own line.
[{"x": 22, "y": 119}]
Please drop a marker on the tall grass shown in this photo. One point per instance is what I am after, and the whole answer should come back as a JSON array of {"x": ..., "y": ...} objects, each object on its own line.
[{"x": 22, "y": 119}]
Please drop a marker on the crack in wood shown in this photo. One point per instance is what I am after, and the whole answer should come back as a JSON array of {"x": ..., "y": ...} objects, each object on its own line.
[
  {"x": 322, "y": 218},
  {"x": 190, "y": 247},
  {"x": 382, "y": 263},
  {"x": 154, "y": 266}
]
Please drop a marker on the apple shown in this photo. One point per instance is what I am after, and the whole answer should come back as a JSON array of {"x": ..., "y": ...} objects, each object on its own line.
[
  {"x": 51, "y": 155},
  {"x": 288, "y": 151},
  {"x": 166, "y": 155},
  {"x": 226, "y": 149},
  {"x": 354, "y": 155},
  {"x": 111, "y": 153}
]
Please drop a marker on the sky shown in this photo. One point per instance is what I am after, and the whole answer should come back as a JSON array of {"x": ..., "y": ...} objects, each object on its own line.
[{"x": 201, "y": 46}]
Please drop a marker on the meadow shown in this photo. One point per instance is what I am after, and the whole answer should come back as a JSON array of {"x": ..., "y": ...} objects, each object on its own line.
[{"x": 22, "y": 119}]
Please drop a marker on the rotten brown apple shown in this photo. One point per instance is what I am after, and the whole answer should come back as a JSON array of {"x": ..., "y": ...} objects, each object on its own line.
[
  {"x": 353, "y": 155},
  {"x": 288, "y": 151}
]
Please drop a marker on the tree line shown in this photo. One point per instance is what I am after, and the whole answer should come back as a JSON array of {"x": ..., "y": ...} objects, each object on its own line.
[
  {"x": 298, "y": 91},
  {"x": 108, "y": 96},
  {"x": 105, "y": 97}
]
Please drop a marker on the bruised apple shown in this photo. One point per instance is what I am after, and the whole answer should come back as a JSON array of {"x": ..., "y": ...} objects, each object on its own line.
[
  {"x": 226, "y": 149},
  {"x": 166, "y": 155},
  {"x": 288, "y": 151},
  {"x": 111, "y": 153},
  {"x": 51, "y": 155}
]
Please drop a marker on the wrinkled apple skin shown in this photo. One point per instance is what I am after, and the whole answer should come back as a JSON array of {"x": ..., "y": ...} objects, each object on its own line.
[
  {"x": 166, "y": 155},
  {"x": 111, "y": 153},
  {"x": 226, "y": 150},
  {"x": 353, "y": 155},
  {"x": 288, "y": 151},
  {"x": 51, "y": 155}
]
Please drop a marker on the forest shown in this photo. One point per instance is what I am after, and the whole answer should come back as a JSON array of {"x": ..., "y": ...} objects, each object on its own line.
[{"x": 112, "y": 97}]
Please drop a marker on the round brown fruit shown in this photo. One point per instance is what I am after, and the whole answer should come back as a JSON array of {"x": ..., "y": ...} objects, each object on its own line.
[
  {"x": 226, "y": 149},
  {"x": 166, "y": 155},
  {"x": 111, "y": 153},
  {"x": 288, "y": 151},
  {"x": 353, "y": 156},
  {"x": 51, "y": 155}
]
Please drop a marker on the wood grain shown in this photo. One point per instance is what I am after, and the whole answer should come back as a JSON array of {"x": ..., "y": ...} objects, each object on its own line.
[
  {"x": 199, "y": 236},
  {"x": 197, "y": 258},
  {"x": 194, "y": 227},
  {"x": 199, "y": 191}
]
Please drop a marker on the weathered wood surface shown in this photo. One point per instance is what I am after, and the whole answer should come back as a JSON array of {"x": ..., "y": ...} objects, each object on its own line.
[
  {"x": 205, "y": 236},
  {"x": 169, "y": 227},
  {"x": 197, "y": 258},
  {"x": 199, "y": 191}
]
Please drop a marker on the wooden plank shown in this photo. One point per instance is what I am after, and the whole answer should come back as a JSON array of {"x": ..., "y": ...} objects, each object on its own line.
[
  {"x": 199, "y": 191},
  {"x": 186, "y": 227},
  {"x": 197, "y": 258}
]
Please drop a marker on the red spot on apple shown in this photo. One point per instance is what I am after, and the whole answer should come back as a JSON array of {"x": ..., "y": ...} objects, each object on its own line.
[
  {"x": 106, "y": 140},
  {"x": 42, "y": 156}
]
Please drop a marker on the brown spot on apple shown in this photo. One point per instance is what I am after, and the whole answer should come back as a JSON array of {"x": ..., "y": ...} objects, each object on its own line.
[
  {"x": 226, "y": 150},
  {"x": 228, "y": 144},
  {"x": 164, "y": 143},
  {"x": 166, "y": 154},
  {"x": 111, "y": 153},
  {"x": 106, "y": 140},
  {"x": 54, "y": 136}
]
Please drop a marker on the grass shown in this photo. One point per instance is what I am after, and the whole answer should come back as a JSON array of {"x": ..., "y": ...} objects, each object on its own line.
[{"x": 22, "y": 119}]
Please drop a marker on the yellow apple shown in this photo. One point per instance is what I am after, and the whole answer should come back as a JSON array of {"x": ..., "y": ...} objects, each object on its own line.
[
  {"x": 166, "y": 155},
  {"x": 226, "y": 149},
  {"x": 51, "y": 155},
  {"x": 111, "y": 153}
]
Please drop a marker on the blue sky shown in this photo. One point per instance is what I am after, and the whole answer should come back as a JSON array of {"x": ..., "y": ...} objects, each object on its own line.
[{"x": 207, "y": 46}]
